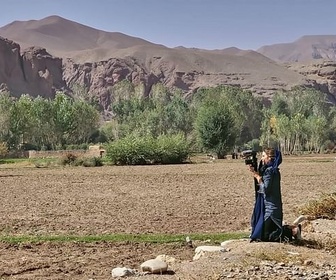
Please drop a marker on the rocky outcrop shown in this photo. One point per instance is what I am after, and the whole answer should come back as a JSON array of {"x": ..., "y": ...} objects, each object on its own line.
[
  {"x": 34, "y": 72},
  {"x": 11, "y": 72},
  {"x": 99, "y": 77},
  {"x": 321, "y": 74},
  {"x": 305, "y": 49}
]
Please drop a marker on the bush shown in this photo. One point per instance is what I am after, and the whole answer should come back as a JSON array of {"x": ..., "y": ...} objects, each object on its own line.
[
  {"x": 88, "y": 161},
  {"x": 84, "y": 146},
  {"x": 27, "y": 147},
  {"x": 68, "y": 159},
  {"x": 325, "y": 207},
  {"x": 44, "y": 148},
  {"x": 171, "y": 149},
  {"x": 72, "y": 147},
  {"x": 59, "y": 147},
  {"x": 328, "y": 147},
  {"x": 3, "y": 149},
  {"x": 133, "y": 150},
  {"x": 43, "y": 163}
]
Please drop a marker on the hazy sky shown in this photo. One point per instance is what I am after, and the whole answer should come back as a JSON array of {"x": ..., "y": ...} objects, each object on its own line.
[{"x": 208, "y": 24}]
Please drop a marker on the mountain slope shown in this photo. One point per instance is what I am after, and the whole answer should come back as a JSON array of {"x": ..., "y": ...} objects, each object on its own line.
[
  {"x": 65, "y": 38},
  {"x": 70, "y": 54},
  {"x": 305, "y": 49}
]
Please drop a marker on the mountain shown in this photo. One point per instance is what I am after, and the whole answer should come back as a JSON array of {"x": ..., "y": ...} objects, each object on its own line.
[
  {"x": 39, "y": 57},
  {"x": 305, "y": 49},
  {"x": 65, "y": 38}
]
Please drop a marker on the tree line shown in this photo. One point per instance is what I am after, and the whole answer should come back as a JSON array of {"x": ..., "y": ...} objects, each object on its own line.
[
  {"x": 216, "y": 120},
  {"x": 40, "y": 123}
]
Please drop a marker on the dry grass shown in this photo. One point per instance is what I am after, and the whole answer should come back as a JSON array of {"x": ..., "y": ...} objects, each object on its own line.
[{"x": 322, "y": 208}]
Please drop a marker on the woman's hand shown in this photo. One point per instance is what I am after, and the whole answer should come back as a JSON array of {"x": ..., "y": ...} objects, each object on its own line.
[
  {"x": 255, "y": 174},
  {"x": 251, "y": 168},
  {"x": 259, "y": 178}
]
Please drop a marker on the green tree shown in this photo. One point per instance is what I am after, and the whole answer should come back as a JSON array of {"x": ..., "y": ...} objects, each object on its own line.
[
  {"x": 179, "y": 115},
  {"x": 81, "y": 92},
  {"x": 279, "y": 105},
  {"x": 293, "y": 118},
  {"x": 42, "y": 132},
  {"x": 6, "y": 105},
  {"x": 22, "y": 121},
  {"x": 74, "y": 120},
  {"x": 316, "y": 129},
  {"x": 245, "y": 107},
  {"x": 85, "y": 121},
  {"x": 216, "y": 128}
]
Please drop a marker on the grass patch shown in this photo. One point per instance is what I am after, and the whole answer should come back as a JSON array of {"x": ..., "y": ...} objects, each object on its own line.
[
  {"x": 323, "y": 208},
  {"x": 13, "y": 160},
  {"x": 136, "y": 238},
  {"x": 277, "y": 256},
  {"x": 44, "y": 162}
]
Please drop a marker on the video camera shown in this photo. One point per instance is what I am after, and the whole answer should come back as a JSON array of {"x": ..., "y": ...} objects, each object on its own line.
[{"x": 250, "y": 157}]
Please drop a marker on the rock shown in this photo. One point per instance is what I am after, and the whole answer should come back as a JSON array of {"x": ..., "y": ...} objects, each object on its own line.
[
  {"x": 201, "y": 250},
  {"x": 122, "y": 272},
  {"x": 210, "y": 249},
  {"x": 165, "y": 258},
  {"x": 226, "y": 242},
  {"x": 189, "y": 241},
  {"x": 154, "y": 266}
]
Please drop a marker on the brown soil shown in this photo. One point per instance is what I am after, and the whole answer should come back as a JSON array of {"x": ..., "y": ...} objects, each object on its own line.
[{"x": 207, "y": 197}]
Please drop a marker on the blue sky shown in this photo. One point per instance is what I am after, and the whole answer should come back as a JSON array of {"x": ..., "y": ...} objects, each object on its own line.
[{"x": 208, "y": 24}]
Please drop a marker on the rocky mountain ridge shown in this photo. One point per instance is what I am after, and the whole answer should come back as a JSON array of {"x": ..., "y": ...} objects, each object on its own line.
[
  {"x": 109, "y": 58},
  {"x": 303, "y": 50}
]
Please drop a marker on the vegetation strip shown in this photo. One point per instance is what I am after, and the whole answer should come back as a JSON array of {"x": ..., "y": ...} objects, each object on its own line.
[{"x": 137, "y": 238}]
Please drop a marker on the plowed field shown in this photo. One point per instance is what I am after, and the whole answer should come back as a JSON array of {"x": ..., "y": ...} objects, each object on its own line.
[{"x": 206, "y": 197}]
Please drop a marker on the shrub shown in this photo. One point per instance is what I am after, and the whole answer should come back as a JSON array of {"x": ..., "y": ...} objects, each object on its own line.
[
  {"x": 133, "y": 150},
  {"x": 42, "y": 163},
  {"x": 44, "y": 148},
  {"x": 3, "y": 149},
  {"x": 171, "y": 149},
  {"x": 28, "y": 146},
  {"x": 328, "y": 147},
  {"x": 72, "y": 147},
  {"x": 68, "y": 159},
  {"x": 88, "y": 161},
  {"x": 84, "y": 146},
  {"x": 325, "y": 207},
  {"x": 59, "y": 147}
]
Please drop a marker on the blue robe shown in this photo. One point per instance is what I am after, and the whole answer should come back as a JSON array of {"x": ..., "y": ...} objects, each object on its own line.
[{"x": 268, "y": 202}]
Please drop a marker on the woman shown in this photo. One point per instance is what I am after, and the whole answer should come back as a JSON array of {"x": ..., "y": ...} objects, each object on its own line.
[{"x": 267, "y": 214}]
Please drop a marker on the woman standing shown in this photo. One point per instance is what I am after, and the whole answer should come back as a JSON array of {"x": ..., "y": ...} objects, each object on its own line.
[{"x": 267, "y": 214}]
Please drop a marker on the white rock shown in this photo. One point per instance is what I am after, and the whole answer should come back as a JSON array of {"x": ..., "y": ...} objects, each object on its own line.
[
  {"x": 209, "y": 249},
  {"x": 154, "y": 266},
  {"x": 202, "y": 250},
  {"x": 198, "y": 255},
  {"x": 165, "y": 258},
  {"x": 225, "y": 243},
  {"x": 122, "y": 272}
]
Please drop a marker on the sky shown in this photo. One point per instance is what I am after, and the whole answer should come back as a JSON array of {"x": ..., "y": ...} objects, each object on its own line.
[{"x": 206, "y": 24}]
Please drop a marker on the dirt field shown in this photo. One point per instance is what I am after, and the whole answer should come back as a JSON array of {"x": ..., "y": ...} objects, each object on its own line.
[{"x": 208, "y": 197}]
